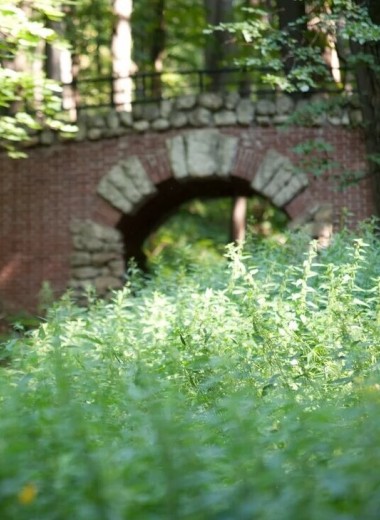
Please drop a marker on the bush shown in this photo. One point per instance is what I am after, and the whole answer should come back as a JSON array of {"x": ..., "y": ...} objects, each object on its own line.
[{"x": 246, "y": 391}]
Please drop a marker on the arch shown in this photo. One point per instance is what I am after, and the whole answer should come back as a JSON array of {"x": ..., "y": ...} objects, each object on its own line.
[
  {"x": 200, "y": 154},
  {"x": 203, "y": 163}
]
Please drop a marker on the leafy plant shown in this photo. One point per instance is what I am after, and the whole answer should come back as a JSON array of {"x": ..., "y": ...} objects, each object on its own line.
[{"x": 247, "y": 389}]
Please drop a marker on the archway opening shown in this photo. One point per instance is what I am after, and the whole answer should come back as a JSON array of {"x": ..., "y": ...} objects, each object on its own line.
[
  {"x": 200, "y": 203},
  {"x": 198, "y": 232}
]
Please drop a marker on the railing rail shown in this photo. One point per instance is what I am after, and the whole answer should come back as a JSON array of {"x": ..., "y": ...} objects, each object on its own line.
[{"x": 145, "y": 87}]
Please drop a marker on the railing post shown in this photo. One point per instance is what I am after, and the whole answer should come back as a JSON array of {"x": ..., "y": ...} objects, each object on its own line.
[
  {"x": 200, "y": 81},
  {"x": 112, "y": 92}
]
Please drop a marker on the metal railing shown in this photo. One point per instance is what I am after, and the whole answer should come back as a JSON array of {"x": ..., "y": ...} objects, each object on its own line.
[{"x": 145, "y": 87}]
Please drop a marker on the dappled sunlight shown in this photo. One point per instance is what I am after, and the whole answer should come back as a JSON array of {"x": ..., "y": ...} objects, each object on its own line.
[{"x": 10, "y": 269}]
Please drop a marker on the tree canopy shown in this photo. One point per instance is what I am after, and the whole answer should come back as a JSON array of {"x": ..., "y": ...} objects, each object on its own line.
[{"x": 28, "y": 99}]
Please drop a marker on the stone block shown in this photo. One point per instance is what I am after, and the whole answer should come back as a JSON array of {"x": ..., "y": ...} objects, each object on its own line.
[
  {"x": 263, "y": 120},
  {"x": 112, "y": 120},
  {"x": 231, "y": 100},
  {"x": 94, "y": 134},
  {"x": 160, "y": 124},
  {"x": 96, "y": 122},
  {"x": 93, "y": 244},
  {"x": 297, "y": 183},
  {"x": 265, "y": 107},
  {"x": 280, "y": 179},
  {"x": 126, "y": 119},
  {"x": 114, "y": 132},
  {"x": 135, "y": 171},
  {"x": 151, "y": 111},
  {"x": 81, "y": 285},
  {"x": 103, "y": 284},
  {"x": 272, "y": 162},
  {"x": 179, "y": 119},
  {"x": 177, "y": 156},
  {"x": 141, "y": 126},
  {"x": 99, "y": 259},
  {"x": 280, "y": 119},
  {"x": 284, "y": 105},
  {"x": 226, "y": 154},
  {"x": 245, "y": 112},
  {"x": 80, "y": 259},
  {"x": 117, "y": 247},
  {"x": 117, "y": 268},
  {"x": 166, "y": 108},
  {"x": 210, "y": 100},
  {"x": 201, "y": 117},
  {"x": 91, "y": 229},
  {"x": 113, "y": 195},
  {"x": 126, "y": 184},
  {"x": 128, "y": 189},
  {"x": 78, "y": 243},
  {"x": 201, "y": 153},
  {"x": 225, "y": 118},
  {"x": 277, "y": 178},
  {"x": 82, "y": 273},
  {"x": 185, "y": 102},
  {"x": 137, "y": 111},
  {"x": 345, "y": 118}
]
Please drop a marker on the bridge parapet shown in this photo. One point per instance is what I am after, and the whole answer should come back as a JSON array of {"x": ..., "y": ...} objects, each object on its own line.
[{"x": 204, "y": 110}]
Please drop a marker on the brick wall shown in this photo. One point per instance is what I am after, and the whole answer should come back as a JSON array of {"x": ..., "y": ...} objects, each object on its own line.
[{"x": 40, "y": 195}]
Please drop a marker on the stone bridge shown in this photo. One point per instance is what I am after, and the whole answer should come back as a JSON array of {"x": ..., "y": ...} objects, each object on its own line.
[{"x": 74, "y": 211}]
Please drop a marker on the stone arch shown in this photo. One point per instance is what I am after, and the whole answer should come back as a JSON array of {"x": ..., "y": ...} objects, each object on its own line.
[
  {"x": 203, "y": 163},
  {"x": 201, "y": 154}
]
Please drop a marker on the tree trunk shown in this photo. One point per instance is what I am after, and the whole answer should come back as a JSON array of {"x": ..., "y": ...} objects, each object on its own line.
[
  {"x": 239, "y": 219},
  {"x": 158, "y": 46},
  {"x": 289, "y": 12},
  {"x": 368, "y": 81},
  {"x": 122, "y": 55},
  {"x": 59, "y": 66},
  {"x": 218, "y": 47}
]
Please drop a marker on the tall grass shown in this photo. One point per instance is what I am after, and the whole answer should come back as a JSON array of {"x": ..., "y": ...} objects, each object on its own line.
[{"x": 246, "y": 391}]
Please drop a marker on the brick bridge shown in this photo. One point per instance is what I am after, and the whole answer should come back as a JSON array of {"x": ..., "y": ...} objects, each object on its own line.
[{"x": 74, "y": 211}]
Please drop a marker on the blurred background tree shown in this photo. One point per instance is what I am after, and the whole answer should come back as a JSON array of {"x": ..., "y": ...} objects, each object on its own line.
[{"x": 28, "y": 99}]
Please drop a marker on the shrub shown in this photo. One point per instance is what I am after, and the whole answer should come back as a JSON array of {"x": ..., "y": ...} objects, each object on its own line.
[{"x": 246, "y": 391}]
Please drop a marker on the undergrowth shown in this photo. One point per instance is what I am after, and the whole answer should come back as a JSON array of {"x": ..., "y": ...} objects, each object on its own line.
[{"x": 246, "y": 391}]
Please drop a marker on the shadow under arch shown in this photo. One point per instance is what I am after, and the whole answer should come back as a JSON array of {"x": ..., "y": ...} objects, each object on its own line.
[{"x": 170, "y": 195}]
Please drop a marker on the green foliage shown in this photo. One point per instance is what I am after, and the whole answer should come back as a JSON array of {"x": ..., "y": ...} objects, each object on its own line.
[
  {"x": 89, "y": 27},
  {"x": 183, "y": 23},
  {"x": 196, "y": 234},
  {"x": 28, "y": 101},
  {"x": 273, "y": 48},
  {"x": 250, "y": 390},
  {"x": 199, "y": 230}
]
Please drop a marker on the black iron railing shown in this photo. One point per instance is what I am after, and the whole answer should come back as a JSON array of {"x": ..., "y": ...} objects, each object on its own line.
[{"x": 146, "y": 87}]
